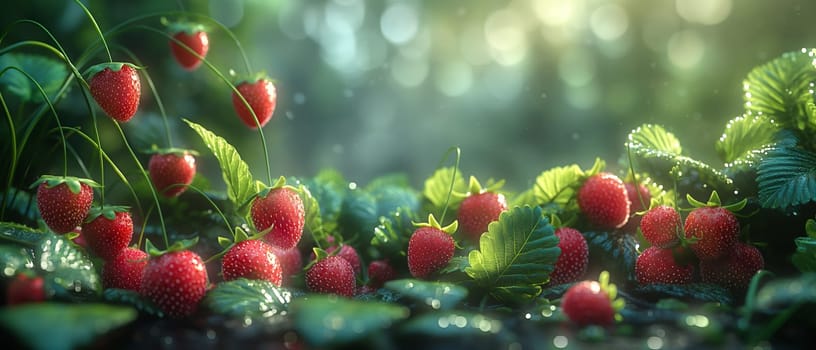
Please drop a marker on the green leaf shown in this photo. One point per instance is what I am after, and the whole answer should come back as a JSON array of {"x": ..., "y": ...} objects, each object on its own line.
[
  {"x": 745, "y": 138},
  {"x": 20, "y": 203},
  {"x": 805, "y": 256},
  {"x": 48, "y": 72},
  {"x": 14, "y": 258},
  {"x": 438, "y": 187},
  {"x": 358, "y": 216},
  {"x": 55, "y": 326},
  {"x": 782, "y": 293},
  {"x": 391, "y": 236},
  {"x": 437, "y": 295},
  {"x": 68, "y": 273},
  {"x": 459, "y": 324},
  {"x": 615, "y": 253},
  {"x": 456, "y": 264},
  {"x": 782, "y": 88},
  {"x": 241, "y": 185},
  {"x": 655, "y": 137},
  {"x": 17, "y": 233},
  {"x": 516, "y": 255},
  {"x": 314, "y": 221},
  {"x": 398, "y": 180},
  {"x": 324, "y": 320},
  {"x": 243, "y": 297},
  {"x": 132, "y": 298},
  {"x": 557, "y": 185},
  {"x": 700, "y": 292},
  {"x": 787, "y": 177}
]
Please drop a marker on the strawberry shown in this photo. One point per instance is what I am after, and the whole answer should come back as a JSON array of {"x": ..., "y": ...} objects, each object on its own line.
[
  {"x": 350, "y": 254},
  {"x": 592, "y": 302},
  {"x": 735, "y": 269},
  {"x": 290, "y": 261},
  {"x": 635, "y": 203},
  {"x": 712, "y": 231},
  {"x": 281, "y": 209},
  {"x": 116, "y": 88},
  {"x": 379, "y": 272},
  {"x": 172, "y": 170},
  {"x": 108, "y": 231},
  {"x": 657, "y": 265},
  {"x": 260, "y": 95},
  {"x": 332, "y": 275},
  {"x": 661, "y": 226},
  {"x": 574, "y": 259},
  {"x": 125, "y": 270},
  {"x": 252, "y": 259},
  {"x": 430, "y": 248},
  {"x": 479, "y": 209},
  {"x": 64, "y": 201},
  {"x": 25, "y": 289},
  {"x": 176, "y": 282},
  {"x": 195, "y": 38},
  {"x": 604, "y": 201}
]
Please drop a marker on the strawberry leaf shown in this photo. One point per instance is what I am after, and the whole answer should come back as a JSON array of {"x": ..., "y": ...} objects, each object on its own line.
[
  {"x": 252, "y": 298},
  {"x": 69, "y": 274},
  {"x": 241, "y": 185},
  {"x": 461, "y": 325},
  {"x": 805, "y": 256},
  {"x": 516, "y": 255},
  {"x": 616, "y": 253},
  {"x": 69, "y": 326},
  {"x": 700, "y": 292},
  {"x": 49, "y": 73},
  {"x": 787, "y": 177},
  {"x": 358, "y": 216},
  {"x": 391, "y": 237},
  {"x": 15, "y": 259},
  {"x": 314, "y": 221},
  {"x": 132, "y": 298},
  {"x": 557, "y": 185},
  {"x": 787, "y": 292},
  {"x": 744, "y": 140},
  {"x": 22, "y": 234},
  {"x": 782, "y": 88},
  {"x": 436, "y": 295},
  {"x": 350, "y": 320},
  {"x": 655, "y": 138},
  {"x": 438, "y": 188}
]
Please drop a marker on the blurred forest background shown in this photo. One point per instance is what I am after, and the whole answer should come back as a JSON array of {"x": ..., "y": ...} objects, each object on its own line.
[{"x": 375, "y": 87}]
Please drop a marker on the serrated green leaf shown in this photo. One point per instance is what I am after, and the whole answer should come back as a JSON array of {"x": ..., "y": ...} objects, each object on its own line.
[
  {"x": 235, "y": 172},
  {"x": 55, "y": 326},
  {"x": 324, "y": 320},
  {"x": 787, "y": 177},
  {"x": 557, "y": 185},
  {"x": 701, "y": 292},
  {"x": 48, "y": 72},
  {"x": 314, "y": 221},
  {"x": 744, "y": 139},
  {"x": 782, "y": 88},
  {"x": 438, "y": 187},
  {"x": 457, "y": 324},
  {"x": 20, "y": 203},
  {"x": 782, "y": 293},
  {"x": 805, "y": 256},
  {"x": 391, "y": 236},
  {"x": 516, "y": 255},
  {"x": 358, "y": 216},
  {"x": 68, "y": 273},
  {"x": 15, "y": 258},
  {"x": 243, "y": 297},
  {"x": 17, "y": 233},
  {"x": 615, "y": 253},
  {"x": 132, "y": 298},
  {"x": 656, "y": 138},
  {"x": 436, "y": 295},
  {"x": 456, "y": 264}
]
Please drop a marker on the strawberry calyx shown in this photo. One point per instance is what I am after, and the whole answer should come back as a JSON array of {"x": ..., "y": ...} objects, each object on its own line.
[
  {"x": 113, "y": 66},
  {"x": 432, "y": 222},
  {"x": 612, "y": 292},
  {"x": 73, "y": 183},
  {"x": 714, "y": 201},
  {"x": 182, "y": 26},
  {"x": 108, "y": 211},
  {"x": 252, "y": 79},
  {"x": 172, "y": 150},
  {"x": 177, "y": 246}
]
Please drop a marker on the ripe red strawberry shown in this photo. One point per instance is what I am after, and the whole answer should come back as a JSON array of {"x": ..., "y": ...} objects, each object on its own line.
[
  {"x": 657, "y": 265},
  {"x": 125, "y": 270},
  {"x": 282, "y": 210},
  {"x": 116, "y": 88},
  {"x": 574, "y": 259},
  {"x": 661, "y": 226},
  {"x": 64, "y": 201},
  {"x": 479, "y": 210},
  {"x": 332, "y": 275},
  {"x": 290, "y": 261},
  {"x": 172, "y": 170},
  {"x": 252, "y": 259},
  {"x": 379, "y": 272},
  {"x": 108, "y": 231},
  {"x": 429, "y": 250},
  {"x": 195, "y": 38},
  {"x": 604, "y": 201},
  {"x": 176, "y": 282},
  {"x": 24, "y": 289},
  {"x": 635, "y": 204},
  {"x": 261, "y": 96},
  {"x": 713, "y": 231},
  {"x": 592, "y": 303},
  {"x": 735, "y": 269},
  {"x": 350, "y": 254}
]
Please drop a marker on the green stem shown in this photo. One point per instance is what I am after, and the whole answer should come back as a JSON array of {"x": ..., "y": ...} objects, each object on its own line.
[
  {"x": 155, "y": 94},
  {"x": 12, "y": 169},
  {"x": 147, "y": 178},
  {"x": 635, "y": 178},
  {"x": 96, "y": 27},
  {"x": 453, "y": 178},
  {"x": 215, "y": 206},
  {"x": 144, "y": 226}
]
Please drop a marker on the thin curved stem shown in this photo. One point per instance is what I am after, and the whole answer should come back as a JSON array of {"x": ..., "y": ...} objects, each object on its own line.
[
  {"x": 96, "y": 27},
  {"x": 155, "y": 94},
  {"x": 12, "y": 169},
  {"x": 215, "y": 206},
  {"x": 453, "y": 178}
]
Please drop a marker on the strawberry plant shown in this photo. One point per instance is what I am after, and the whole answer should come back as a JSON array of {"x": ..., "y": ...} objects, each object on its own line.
[{"x": 144, "y": 225}]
